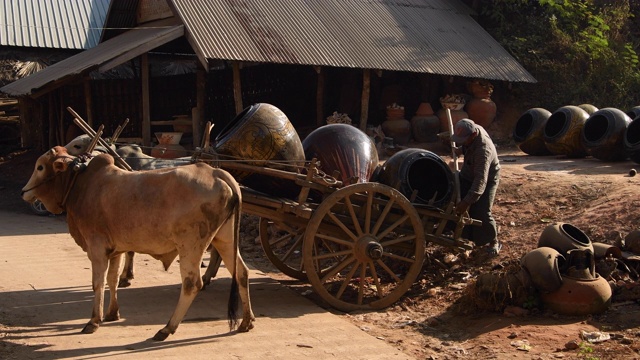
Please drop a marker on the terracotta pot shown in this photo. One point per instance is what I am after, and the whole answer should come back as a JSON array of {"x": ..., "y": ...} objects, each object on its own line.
[
  {"x": 603, "y": 134},
  {"x": 398, "y": 129},
  {"x": 564, "y": 237},
  {"x": 562, "y": 132},
  {"x": 424, "y": 109},
  {"x": 262, "y": 132},
  {"x": 395, "y": 113},
  {"x": 456, "y": 115},
  {"x": 579, "y": 296},
  {"x": 543, "y": 265},
  {"x": 632, "y": 140},
  {"x": 481, "y": 111},
  {"x": 169, "y": 146},
  {"x": 480, "y": 90},
  {"x": 529, "y": 130},
  {"x": 343, "y": 148},
  {"x": 419, "y": 170},
  {"x": 425, "y": 128}
]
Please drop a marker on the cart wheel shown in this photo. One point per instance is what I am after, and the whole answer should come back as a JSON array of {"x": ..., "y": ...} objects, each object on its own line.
[
  {"x": 371, "y": 240},
  {"x": 38, "y": 208},
  {"x": 283, "y": 246}
]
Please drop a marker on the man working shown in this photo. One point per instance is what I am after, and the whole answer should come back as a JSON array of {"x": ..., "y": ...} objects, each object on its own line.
[{"x": 479, "y": 178}]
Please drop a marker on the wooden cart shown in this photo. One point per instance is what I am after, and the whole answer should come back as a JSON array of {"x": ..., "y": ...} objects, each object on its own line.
[{"x": 361, "y": 246}]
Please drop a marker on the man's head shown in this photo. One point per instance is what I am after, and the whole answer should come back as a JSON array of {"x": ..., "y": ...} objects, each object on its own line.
[{"x": 463, "y": 131}]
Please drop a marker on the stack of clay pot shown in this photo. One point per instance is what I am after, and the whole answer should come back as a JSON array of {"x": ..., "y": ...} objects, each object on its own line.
[
  {"x": 456, "y": 105},
  {"x": 481, "y": 108},
  {"x": 396, "y": 126},
  {"x": 425, "y": 125}
]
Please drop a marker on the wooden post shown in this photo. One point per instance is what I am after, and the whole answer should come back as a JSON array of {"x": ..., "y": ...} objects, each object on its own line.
[
  {"x": 366, "y": 91},
  {"x": 88, "y": 100},
  {"x": 237, "y": 87},
  {"x": 146, "y": 106},
  {"x": 198, "y": 114},
  {"x": 52, "y": 122},
  {"x": 319, "y": 96}
]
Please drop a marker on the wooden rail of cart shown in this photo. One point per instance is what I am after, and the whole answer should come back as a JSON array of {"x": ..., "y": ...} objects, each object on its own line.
[{"x": 361, "y": 246}]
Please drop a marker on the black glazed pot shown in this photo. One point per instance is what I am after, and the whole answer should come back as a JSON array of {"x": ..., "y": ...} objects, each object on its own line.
[
  {"x": 632, "y": 140},
  {"x": 603, "y": 134},
  {"x": 529, "y": 130},
  {"x": 562, "y": 132}
]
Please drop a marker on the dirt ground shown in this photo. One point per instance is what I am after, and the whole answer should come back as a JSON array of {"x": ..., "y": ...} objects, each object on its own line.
[{"x": 437, "y": 319}]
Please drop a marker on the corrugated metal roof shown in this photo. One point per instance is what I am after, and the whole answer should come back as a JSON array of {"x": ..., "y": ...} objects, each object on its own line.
[
  {"x": 424, "y": 36},
  {"x": 58, "y": 24},
  {"x": 107, "y": 54}
]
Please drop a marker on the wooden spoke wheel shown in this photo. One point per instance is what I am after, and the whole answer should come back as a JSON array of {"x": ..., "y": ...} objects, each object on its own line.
[
  {"x": 363, "y": 247},
  {"x": 283, "y": 246}
]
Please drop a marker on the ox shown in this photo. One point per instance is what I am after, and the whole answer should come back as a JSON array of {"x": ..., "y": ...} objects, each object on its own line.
[{"x": 111, "y": 211}]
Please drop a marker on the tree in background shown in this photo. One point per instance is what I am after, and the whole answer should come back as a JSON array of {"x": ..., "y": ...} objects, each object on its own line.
[{"x": 580, "y": 51}]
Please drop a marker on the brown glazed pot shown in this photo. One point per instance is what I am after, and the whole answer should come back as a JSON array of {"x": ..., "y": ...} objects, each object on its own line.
[
  {"x": 481, "y": 111},
  {"x": 632, "y": 140},
  {"x": 529, "y": 130},
  {"x": 562, "y": 132},
  {"x": 603, "y": 134},
  {"x": 564, "y": 237},
  {"x": 456, "y": 115},
  {"x": 262, "y": 132},
  {"x": 579, "y": 296},
  {"x": 543, "y": 265},
  {"x": 343, "y": 148},
  {"x": 590, "y": 109},
  {"x": 422, "y": 170}
]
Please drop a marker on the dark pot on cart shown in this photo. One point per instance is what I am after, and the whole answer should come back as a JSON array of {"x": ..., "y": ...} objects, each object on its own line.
[
  {"x": 603, "y": 134},
  {"x": 262, "y": 132},
  {"x": 344, "y": 149},
  {"x": 562, "y": 132},
  {"x": 529, "y": 130},
  {"x": 419, "y": 170}
]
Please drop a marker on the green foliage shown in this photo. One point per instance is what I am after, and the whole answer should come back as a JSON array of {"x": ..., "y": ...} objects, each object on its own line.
[{"x": 580, "y": 51}]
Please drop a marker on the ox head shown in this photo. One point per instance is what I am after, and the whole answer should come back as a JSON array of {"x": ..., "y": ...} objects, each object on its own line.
[{"x": 45, "y": 183}]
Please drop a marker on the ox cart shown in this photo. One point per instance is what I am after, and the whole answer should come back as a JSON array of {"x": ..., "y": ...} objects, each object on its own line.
[{"x": 361, "y": 246}]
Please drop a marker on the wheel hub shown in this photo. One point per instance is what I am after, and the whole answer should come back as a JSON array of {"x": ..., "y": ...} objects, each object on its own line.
[{"x": 368, "y": 248}]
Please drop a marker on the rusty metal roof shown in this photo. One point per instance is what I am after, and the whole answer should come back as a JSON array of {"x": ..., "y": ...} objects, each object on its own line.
[
  {"x": 57, "y": 24},
  {"x": 103, "y": 57},
  {"x": 423, "y": 36}
]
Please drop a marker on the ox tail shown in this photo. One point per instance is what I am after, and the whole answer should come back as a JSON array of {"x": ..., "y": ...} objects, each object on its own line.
[{"x": 232, "y": 307}]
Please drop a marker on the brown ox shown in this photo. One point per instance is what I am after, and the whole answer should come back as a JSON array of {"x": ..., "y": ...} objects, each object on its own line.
[{"x": 111, "y": 211}]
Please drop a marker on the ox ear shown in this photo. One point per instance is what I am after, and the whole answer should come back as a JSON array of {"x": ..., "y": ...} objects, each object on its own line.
[{"x": 60, "y": 164}]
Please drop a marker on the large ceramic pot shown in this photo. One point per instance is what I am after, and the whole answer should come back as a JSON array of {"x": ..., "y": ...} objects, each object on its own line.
[
  {"x": 168, "y": 146},
  {"x": 590, "y": 109},
  {"x": 529, "y": 130},
  {"x": 634, "y": 112},
  {"x": 564, "y": 237},
  {"x": 579, "y": 296},
  {"x": 262, "y": 132},
  {"x": 603, "y": 134},
  {"x": 419, "y": 170},
  {"x": 425, "y": 128},
  {"x": 632, "y": 140},
  {"x": 342, "y": 148},
  {"x": 398, "y": 129},
  {"x": 562, "y": 132},
  {"x": 481, "y": 111},
  {"x": 456, "y": 115},
  {"x": 543, "y": 265}
]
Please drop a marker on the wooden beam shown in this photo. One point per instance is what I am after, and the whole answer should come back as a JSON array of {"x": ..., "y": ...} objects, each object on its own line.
[
  {"x": 201, "y": 98},
  {"x": 88, "y": 100},
  {"x": 237, "y": 87},
  {"x": 146, "y": 106},
  {"x": 319, "y": 96},
  {"x": 366, "y": 91}
]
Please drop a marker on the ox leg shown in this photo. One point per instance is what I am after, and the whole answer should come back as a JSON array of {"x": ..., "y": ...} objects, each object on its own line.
[
  {"x": 191, "y": 284},
  {"x": 212, "y": 269},
  {"x": 113, "y": 312},
  {"x": 127, "y": 273},
  {"x": 224, "y": 243},
  {"x": 99, "y": 265}
]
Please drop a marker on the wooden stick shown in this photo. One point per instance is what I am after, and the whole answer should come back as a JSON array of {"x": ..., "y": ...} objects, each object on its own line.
[{"x": 118, "y": 131}]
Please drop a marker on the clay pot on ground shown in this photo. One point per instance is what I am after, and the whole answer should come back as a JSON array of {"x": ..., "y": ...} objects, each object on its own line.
[
  {"x": 564, "y": 237},
  {"x": 424, "y": 109},
  {"x": 579, "y": 296},
  {"x": 634, "y": 112},
  {"x": 543, "y": 265},
  {"x": 480, "y": 89},
  {"x": 481, "y": 111},
  {"x": 397, "y": 128},
  {"x": 425, "y": 128},
  {"x": 395, "y": 113},
  {"x": 631, "y": 141},
  {"x": 562, "y": 132},
  {"x": 590, "y": 109},
  {"x": 528, "y": 133},
  {"x": 456, "y": 115},
  {"x": 419, "y": 170},
  {"x": 603, "y": 134},
  {"x": 168, "y": 146}
]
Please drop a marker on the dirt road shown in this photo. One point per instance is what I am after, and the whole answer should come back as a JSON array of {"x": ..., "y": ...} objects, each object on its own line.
[{"x": 46, "y": 297}]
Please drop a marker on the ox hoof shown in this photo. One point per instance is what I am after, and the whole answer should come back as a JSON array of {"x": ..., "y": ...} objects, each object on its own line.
[
  {"x": 113, "y": 317},
  {"x": 161, "y": 335},
  {"x": 123, "y": 283},
  {"x": 90, "y": 328},
  {"x": 245, "y": 327}
]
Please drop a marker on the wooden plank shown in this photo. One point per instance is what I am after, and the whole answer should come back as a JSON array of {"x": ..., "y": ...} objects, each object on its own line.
[
  {"x": 366, "y": 91},
  {"x": 146, "y": 106},
  {"x": 88, "y": 100},
  {"x": 197, "y": 114},
  {"x": 237, "y": 87},
  {"x": 319, "y": 96}
]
